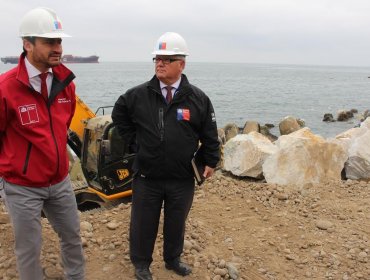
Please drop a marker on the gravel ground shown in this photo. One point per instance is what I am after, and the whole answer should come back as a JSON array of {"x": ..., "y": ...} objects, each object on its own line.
[{"x": 237, "y": 229}]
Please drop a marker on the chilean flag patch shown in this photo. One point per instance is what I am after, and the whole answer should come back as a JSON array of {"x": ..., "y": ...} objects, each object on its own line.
[
  {"x": 162, "y": 45},
  {"x": 183, "y": 114},
  {"x": 57, "y": 25}
]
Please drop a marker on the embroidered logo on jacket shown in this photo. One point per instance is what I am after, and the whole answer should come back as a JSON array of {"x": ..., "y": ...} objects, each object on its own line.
[
  {"x": 213, "y": 117},
  {"x": 63, "y": 100},
  {"x": 183, "y": 114},
  {"x": 28, "y": 114}
]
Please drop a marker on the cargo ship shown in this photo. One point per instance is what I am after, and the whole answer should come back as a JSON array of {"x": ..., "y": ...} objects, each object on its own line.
[
  {"x": 10, "y": 59},
  {"x": 68, "y": 58}
]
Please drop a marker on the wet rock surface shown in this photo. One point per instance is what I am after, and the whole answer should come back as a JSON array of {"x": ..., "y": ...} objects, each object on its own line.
[{"x": 237, "y": 229}]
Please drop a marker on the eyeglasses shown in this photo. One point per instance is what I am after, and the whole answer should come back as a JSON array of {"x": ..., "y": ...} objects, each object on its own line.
[{"x": 165, "y": 61}]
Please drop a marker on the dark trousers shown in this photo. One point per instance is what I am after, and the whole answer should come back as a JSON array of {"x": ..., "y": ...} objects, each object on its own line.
[{"x": 148, "y": 196}]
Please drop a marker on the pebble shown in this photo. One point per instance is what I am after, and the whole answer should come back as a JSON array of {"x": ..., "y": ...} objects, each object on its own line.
[
  {"x": 86, "y": 226},
  {"x": 220, "y": 271},
  {"x": 324, "y": 224},
  {"x": 112, "y": 225},
  {"x": 4, "y": 218},
  {"x": 233, "y": 271},
  {"x": 222, "y": 264},
  {"x": 187, "y": 245}
]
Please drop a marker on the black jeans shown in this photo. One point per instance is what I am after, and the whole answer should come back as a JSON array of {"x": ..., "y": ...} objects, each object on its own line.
[{"x": 176, "y": 196}]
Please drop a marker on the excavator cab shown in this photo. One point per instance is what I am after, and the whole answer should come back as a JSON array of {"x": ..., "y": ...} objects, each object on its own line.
[{"x": 106, "y": 166}]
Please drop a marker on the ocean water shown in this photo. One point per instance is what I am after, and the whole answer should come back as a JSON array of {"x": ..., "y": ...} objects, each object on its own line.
[{"x": 243, "y": 92}]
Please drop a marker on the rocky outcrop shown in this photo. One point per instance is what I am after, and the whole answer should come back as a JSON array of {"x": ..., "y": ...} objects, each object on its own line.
[
  {"x": 245, "y": 153},
  {"x": 303, "y": 158}
]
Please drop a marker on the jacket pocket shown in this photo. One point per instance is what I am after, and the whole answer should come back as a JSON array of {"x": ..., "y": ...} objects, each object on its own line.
[{"x": 25, "y": 166}]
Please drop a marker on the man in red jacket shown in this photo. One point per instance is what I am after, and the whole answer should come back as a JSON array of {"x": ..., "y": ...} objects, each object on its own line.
[{"x": 37, "y": 103}]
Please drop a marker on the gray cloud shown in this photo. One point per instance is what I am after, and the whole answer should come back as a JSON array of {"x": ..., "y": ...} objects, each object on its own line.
[{"x": 334, "y": 32}]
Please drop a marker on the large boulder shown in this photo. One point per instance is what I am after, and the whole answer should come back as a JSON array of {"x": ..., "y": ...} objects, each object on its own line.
[
  {"x": 303, "y": 157},
  {"x": 344, "y": 115},
  {"x": 245, "y": 153},
  {"x": 328, "y": 118},
  {"x": 356, "y": 141},
  {"x": 364, "y": 115},
  {"x": 288, "y": 125},
  {"x": 221, "y": 135},
  {"x": 264, "y": 130},
  {"x": 250, "y": 126},
  {"x": 231, "y": 130}
]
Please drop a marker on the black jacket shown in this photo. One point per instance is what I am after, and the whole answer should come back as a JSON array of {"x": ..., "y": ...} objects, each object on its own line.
[{"x": 167, "y": 135}]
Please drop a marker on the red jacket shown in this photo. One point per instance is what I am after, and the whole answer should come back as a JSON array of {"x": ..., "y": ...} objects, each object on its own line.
[{"x": 33, "y": 133}]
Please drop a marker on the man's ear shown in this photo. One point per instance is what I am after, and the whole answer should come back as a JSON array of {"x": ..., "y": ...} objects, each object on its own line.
[{"x": 27, "y": 45}]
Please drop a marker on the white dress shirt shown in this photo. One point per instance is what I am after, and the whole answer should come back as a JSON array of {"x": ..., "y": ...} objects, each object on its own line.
[
  {"x": 175, "y": 87},
  {"x": 34, "y": 78}
]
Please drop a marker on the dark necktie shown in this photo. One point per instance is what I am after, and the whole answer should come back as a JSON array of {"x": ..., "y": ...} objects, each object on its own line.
[
  {"x": 169, "y": 94},
  {"x": 44, "y": 88}
]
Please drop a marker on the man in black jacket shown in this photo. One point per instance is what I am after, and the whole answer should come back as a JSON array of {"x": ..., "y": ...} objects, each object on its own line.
[{"x": 166, "y": 117}]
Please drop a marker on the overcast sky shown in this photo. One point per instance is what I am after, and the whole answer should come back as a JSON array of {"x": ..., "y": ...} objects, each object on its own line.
[{"x": 324, "y": 32}]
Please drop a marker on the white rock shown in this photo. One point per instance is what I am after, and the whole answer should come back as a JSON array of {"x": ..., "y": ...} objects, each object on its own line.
[
  {"x": 303, "y": 157},
  {"x": 357, "y": 140},
  {"x": 245, "y": 153}
]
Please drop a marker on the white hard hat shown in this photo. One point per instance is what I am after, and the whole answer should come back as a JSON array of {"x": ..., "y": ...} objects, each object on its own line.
[
  {"x": 41, "y": 22},
  {"x": 170, "y": 43}
]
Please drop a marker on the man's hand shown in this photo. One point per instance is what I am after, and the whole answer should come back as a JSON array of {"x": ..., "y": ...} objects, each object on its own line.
[{"x": 208, "y": 171}]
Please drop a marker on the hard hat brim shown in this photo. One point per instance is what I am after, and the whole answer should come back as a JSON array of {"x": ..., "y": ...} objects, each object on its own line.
[
  {"x": 165, "y": 52},
  {"x": 48, "y": 35}
]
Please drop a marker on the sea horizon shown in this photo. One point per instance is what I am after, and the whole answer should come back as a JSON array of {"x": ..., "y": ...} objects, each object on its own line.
[{"x": 242, "y": 92}]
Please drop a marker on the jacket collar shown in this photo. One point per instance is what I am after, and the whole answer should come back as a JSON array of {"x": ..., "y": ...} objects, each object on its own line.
[
  {"x": 154, "y": 83},
  {"x": 60, "y": 72}
]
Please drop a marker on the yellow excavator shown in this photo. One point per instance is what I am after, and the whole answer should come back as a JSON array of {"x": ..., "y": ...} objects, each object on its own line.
[
  {"x": 101, "y": 169},
  {"x": 100, "y": 160}
]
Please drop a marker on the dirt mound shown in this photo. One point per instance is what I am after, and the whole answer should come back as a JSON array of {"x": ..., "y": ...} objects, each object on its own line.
[{"x": 237, "y": 229}]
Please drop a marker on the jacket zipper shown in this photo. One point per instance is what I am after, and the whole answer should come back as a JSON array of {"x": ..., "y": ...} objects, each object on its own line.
[
  {"x": 52, "y": 133},
  {"x": 161, "y": 124},
  {"x": 55, "y": 141},
  {"x": 25, "y": 166}
]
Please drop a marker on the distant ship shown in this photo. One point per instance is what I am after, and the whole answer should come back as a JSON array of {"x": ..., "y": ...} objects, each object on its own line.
[
  {"x": 68, "y": 58},
  {"x": 10, "y": 59}
]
